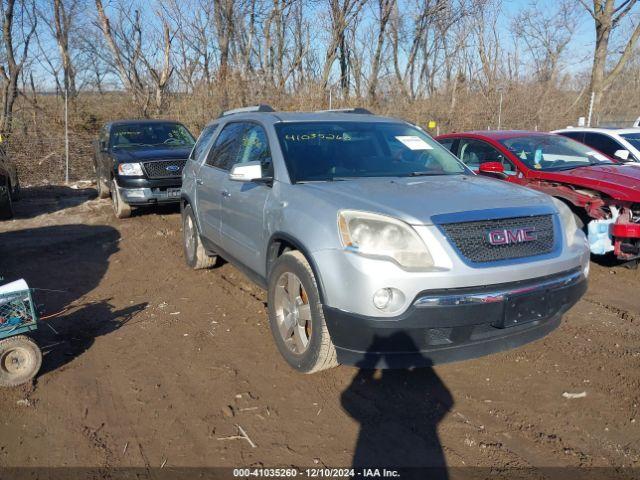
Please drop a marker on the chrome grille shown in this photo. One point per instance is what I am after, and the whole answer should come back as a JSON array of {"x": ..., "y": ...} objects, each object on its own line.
[
  {"x": 164, "y": 168},
  {"x": 472, "y": 238}
]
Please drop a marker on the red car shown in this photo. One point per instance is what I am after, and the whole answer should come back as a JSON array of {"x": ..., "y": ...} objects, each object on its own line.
[{"x": 603, "y": 194}]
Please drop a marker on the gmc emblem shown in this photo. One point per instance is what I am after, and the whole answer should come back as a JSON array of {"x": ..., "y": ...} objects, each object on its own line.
[{"x": 509, "y": 236}]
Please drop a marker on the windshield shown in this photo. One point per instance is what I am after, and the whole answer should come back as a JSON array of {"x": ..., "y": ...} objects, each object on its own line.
[
  {"x": 150, "y": 135},
  {"x": 553, "y": 152},
  {"x": 632, "y": 138},
  {"x": 321, "y": 151}
]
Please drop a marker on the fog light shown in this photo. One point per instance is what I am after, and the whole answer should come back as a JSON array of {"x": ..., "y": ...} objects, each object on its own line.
[
  {"x": 134, "y": 193},
  {"x": 382, "y": 298}
]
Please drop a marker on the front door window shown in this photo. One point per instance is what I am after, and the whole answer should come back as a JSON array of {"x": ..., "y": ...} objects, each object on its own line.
[{"x": 476, "y": 152}]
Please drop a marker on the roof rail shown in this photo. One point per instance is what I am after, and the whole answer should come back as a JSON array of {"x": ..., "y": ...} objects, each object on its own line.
[
  {"x": 360, "y": 110},
  {"x": 254, "y": 108}
]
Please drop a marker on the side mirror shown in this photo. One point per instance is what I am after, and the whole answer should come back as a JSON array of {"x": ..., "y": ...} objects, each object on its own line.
[
  {"x": 622, "y": 154},
  {"x": 103, "y": 146},
  {"x": 492, "y": 168},
  {"x": 246, "y": 172}
]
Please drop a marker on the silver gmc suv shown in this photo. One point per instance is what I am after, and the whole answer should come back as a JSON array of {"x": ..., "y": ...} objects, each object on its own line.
[{"x": 377, "y": 247}]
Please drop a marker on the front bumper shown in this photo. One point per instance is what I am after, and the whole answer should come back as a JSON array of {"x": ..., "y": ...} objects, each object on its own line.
[
  {"x": 456, "y": 324},
  {"x": 142, "y": 191},
  {"x": 626, "y": 240}
]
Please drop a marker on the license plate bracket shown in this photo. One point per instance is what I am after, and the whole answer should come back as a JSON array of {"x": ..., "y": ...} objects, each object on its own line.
[{"x": 520, "y": 309}]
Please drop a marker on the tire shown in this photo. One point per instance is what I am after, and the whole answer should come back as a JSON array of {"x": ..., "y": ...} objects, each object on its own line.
[
  {"x": 120, "y": 208},
  {"x": 194, "y": 253},
  {"x": 287, "y": 327},
  {"x": 20, "y": 360},
  {"x": 6, "y": 206},
  {"x": 103, "y": 188}
]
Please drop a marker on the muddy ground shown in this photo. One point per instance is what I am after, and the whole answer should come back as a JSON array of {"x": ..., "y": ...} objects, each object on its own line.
[{"x": 154, "y": 364}]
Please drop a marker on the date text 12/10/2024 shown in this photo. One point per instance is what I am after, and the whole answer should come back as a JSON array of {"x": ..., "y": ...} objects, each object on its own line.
[{"x": 316, "y": 472}]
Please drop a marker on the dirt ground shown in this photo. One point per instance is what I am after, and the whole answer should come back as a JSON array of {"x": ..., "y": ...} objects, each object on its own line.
[{"x": 155, "y": 364}]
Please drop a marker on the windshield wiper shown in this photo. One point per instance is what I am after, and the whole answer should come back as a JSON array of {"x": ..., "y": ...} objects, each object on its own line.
[
  {"x": 425, "y": 174},
  {"x": 328, "y": 179},
  {"x": 133, "y": 145}
]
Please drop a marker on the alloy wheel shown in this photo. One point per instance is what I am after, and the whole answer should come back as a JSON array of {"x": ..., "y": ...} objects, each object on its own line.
[{"x": 293, "y": 313}]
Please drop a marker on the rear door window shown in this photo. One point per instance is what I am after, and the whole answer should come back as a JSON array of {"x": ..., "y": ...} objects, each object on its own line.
[
  {"x": 448, "y": 143},
  {"x": 603, "y": 143},
  {"x": 579, "y": 136}
]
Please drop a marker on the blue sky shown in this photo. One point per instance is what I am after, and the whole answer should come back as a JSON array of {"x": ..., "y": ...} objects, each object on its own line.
[{"x": 583, "y": 41}]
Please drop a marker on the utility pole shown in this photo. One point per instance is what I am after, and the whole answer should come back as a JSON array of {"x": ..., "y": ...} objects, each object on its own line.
[
  {"x": 500, "y": 89},
  {"x": 593, "y": 94},
  {"x": 66, "y": 135}
]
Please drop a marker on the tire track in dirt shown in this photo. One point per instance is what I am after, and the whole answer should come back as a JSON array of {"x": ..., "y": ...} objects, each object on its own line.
[{"x": 622, "y": 314}]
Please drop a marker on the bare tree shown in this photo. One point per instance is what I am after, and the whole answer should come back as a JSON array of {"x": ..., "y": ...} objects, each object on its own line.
[
  {"x": 12, "y": 66},
  {"x": 126, "y": 55},
  {"x": 342, "y": 14},
  {"x": 63, "y": 15},
  {"x": 607, "y": 16},
  {"x": 384, "y": 10},
  {"x": 223, "y": 15},
  {"x": 546, "y": 34},
  {"x": 195, "y": 54},
  {"x": 141, "y": 68},
  {"x": 160, "y": 75}
]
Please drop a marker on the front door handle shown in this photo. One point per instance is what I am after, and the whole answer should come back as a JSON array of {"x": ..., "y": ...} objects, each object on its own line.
[
  {"x": 199, "y": 181},
  {"x": 225, "y": 193}
]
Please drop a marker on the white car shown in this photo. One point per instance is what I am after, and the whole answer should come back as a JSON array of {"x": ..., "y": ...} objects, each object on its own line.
[{"x": 617, "y": 143}]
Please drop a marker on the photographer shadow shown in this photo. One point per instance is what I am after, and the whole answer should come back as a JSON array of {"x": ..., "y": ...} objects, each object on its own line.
[{"x": 398, "y": 410}]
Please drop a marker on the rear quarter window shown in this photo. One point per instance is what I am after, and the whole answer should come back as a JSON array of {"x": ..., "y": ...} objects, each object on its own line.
[
  {"x": 447, "y": 143},
  {"x": 200, "y": 148}
]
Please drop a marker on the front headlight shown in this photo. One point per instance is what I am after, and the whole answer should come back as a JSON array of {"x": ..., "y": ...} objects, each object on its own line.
[
  {"x": 568, "y": 220},
  {"x": 130, "y": 170},
  {"x": 375, "y": 235}
]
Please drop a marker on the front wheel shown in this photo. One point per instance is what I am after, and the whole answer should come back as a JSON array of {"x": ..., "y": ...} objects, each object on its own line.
[
  {"x": 296, "y": 317},
  {"x": 103, "y": 187},
  {"x": 20, "y": 360},
  {"x": 120, "y": 208}
]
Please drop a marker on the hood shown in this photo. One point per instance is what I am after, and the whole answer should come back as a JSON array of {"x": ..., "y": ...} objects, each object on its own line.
[
  {"x": 417, "y": 200},
  {"x": 144, "y": 154},
  {"x": 620, "y": 181}
]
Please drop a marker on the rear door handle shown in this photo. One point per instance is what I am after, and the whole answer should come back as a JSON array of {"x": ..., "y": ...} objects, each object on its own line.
[
  {"x": 199, "y": 181},
  {"x": 225, "y": 193}
]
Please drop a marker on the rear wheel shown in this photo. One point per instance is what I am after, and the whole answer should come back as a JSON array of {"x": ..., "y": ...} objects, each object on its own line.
[
  {"x": 120, "y": 207},
  {"x": 194, "y": 253},
  {"x": 296, "y": 317},
  {"x": 20, "y": 360}
]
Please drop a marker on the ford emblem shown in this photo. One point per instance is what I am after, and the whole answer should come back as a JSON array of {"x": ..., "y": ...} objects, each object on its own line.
[{"x": 172, "y": 168}]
